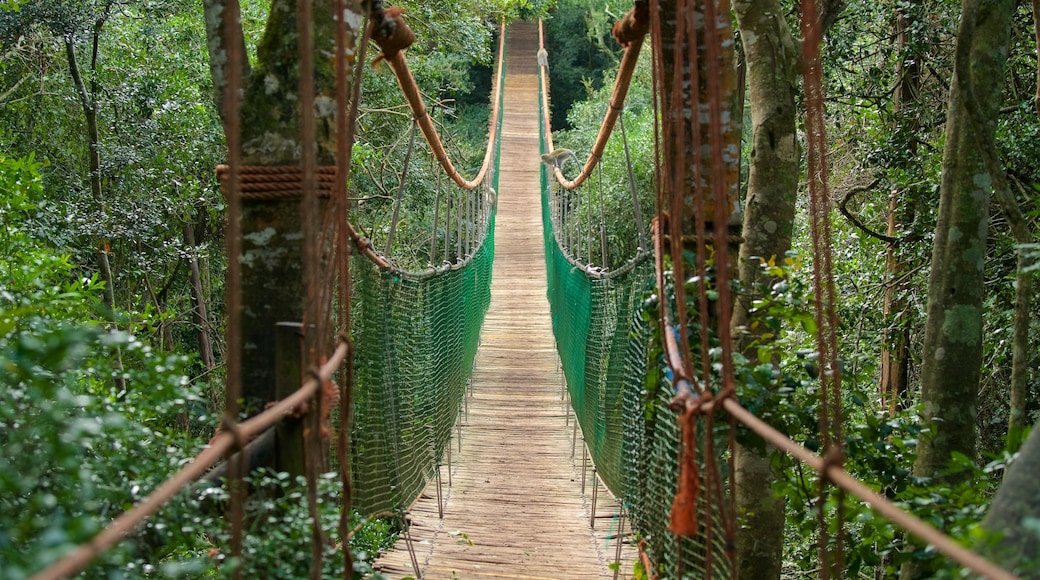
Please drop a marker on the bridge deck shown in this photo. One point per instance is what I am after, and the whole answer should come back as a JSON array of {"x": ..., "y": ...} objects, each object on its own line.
[{"x": 515, "y": 509}]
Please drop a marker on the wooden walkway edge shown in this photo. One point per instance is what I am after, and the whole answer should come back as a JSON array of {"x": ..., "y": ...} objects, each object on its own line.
[{"x": 515, "y": 508}]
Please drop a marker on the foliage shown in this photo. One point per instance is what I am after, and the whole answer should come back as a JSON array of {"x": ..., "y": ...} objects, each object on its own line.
[
  {"x": 159, "y": 141},
  {"x": 278, "y": 535},
  {"x": 878, "y": 448},
  {"x": 72, "y": 451},
  {"x": 580, "y": 47}
]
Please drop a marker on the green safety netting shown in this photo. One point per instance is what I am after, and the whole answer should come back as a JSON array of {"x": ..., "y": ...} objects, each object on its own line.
[
  {"x": 416, "y": 335},
  {"x": 651, "y": 458},
  {"x": 605, "y": 338}
]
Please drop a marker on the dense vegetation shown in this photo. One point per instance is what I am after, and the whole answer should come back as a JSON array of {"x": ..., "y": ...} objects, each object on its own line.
[{"x": 108, "y": 387}]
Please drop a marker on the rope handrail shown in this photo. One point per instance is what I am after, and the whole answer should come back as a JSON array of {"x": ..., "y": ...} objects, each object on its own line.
[
  {"x": 422, "y": 117},
  {"x": 835, "y": 473},
  {"x": 224, "y": 441},
  {"x": 617, "y": 101}
]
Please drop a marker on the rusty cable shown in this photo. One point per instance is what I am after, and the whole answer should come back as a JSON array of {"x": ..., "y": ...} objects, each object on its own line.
[
  {"x": 233, "y": 284},
  {"x": 346, "y": 123}
]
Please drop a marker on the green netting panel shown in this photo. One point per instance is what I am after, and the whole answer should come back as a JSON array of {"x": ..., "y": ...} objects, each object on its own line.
[
  {"x": 620, "y": 393},
  {"x": 417, "y": 337},
  {"x": 651, "y": 457},
  {"x": 592, "y": 315}
]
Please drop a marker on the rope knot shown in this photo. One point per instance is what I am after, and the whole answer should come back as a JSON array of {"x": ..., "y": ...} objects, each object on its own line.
[
  {"x": 390, "y": 32},
  {"x": 634, "y": 25},
  {"x": 683, "y": 521},
  {"x": 231, "y": 426}
]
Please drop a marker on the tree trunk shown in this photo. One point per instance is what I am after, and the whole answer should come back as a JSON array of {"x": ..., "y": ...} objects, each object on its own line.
[
  {"x": 895, "y": 343},
  {"x": 953, "y": 332},
  {"x": 772, "y": 58},
  {"x": 1023, "y": 292},
  {"x": 89, "y": 106},
  {"x": 93, "y": 164},
  {"x": 217, "y": 47},
  {"x": 199, "y": 313},
  {"x": 1013, "y": 542},
  {"x": 1020, "y": 356}
]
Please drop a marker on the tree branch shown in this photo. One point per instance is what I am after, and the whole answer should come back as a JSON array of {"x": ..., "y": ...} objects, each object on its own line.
[{"x": 855, "y": 220}]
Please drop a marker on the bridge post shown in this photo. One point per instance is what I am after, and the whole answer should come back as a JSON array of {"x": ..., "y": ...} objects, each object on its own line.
[{"x": 288, "y": 364}]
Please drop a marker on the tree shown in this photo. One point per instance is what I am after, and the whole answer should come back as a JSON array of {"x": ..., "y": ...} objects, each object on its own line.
[
  {"x": 72, "y": 23},
  {"x": 895, "y": 343},
  {"x": 953, "y": 332},
  {"x": 773, "y": 65},
  {"x": 1015, "y": 512},
  {"x": 952, "y": 353}
]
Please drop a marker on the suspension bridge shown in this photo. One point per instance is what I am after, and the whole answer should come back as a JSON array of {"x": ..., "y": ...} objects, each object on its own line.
[
  {"x": 516, "y": 507},
  {"x": 525, "y": 443}
]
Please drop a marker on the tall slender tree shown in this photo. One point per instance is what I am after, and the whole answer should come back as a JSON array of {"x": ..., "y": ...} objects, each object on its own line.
[
  {"x": 895, "y": 345},
  {"x": 952, "y": 353},
  {"x": 773, "y": 66}
]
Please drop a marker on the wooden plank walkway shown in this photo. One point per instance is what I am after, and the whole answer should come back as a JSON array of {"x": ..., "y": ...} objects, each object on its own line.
[{"x": 515, "y": 508}]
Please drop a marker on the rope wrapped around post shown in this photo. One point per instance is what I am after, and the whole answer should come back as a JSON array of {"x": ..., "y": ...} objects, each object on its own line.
[
  {"x": 633, "y": 28},
  {"x": 393, "y": 35},
  {"x": 282, "y": 182}
]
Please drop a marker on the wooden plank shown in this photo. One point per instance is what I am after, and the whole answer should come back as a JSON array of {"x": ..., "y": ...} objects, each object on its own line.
[{"x": 516, "y": 508}]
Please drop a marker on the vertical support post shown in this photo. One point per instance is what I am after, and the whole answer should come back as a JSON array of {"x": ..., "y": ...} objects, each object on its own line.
[
  {"x": 595, "y": 496},
  {"x": 440, "y": 496},
  {"x": 436, "y": 219},
  {"x": 588, "y": 232},
  {"x": 288, "y": 365},
  {"x": 574, "y": 435},
  {"x": 458, "y": 431},
  {"x": 459, "y": 223},
  {"x": 584, "y": 461},
  {"x": 449, "y": 461},
  {"x": 406, "y": 531},
  {"x": 618, "y": 540},
  {"x": 447, "y": 228}
]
